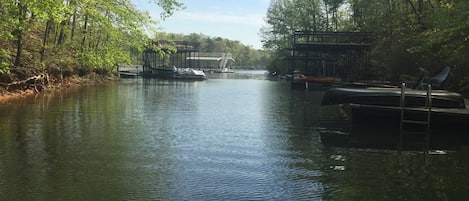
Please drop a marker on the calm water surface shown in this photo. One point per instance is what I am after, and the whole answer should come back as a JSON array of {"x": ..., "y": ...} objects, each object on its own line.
[{"x": 231, "y": 137}]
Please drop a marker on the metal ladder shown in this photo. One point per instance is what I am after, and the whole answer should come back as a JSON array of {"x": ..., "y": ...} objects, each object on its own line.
[{"x": 424, "y": 122}]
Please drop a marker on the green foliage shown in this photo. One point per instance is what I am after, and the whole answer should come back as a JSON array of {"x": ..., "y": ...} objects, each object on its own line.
[
  {"x": 415, "y": 37},
  {"x": 286, "y": 16},
  {"x": 169, "y": 7},
  {"x": 87, "y": 34},
  {"x": 4, "y": 64},
  {"x": 243, "y": 55},
  {"x": 408, "y": 35}
]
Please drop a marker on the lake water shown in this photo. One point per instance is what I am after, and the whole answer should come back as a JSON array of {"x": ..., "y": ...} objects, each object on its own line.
[{"x": 231, "y": 137}]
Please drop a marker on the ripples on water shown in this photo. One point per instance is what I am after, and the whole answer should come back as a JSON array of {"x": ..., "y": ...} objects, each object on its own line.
[{"x": 231, "y": 137}]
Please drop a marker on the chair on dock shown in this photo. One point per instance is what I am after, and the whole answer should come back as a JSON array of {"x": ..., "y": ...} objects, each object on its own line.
[{"x": 436, "y": 81}]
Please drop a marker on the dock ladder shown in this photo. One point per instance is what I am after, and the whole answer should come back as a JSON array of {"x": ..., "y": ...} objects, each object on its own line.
[{"x": 424, "y": 122}]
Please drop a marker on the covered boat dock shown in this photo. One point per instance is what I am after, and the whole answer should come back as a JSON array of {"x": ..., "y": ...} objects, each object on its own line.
[
  {"x": 160, "y": 57},
  {"x": 342, "y": 55}
]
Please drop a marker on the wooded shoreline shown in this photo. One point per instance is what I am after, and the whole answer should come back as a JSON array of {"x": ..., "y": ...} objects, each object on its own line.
[{"x": 41, "y": 83}]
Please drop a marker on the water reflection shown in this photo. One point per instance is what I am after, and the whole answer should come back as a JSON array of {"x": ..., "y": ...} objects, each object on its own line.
[
  {"x": 375, "y": 167},
  {"x": 220, "y": 139},
  {"x": 375, "y": 135}
]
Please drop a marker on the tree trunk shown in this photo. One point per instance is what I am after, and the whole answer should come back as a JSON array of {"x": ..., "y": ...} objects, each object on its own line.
[
  {"x": 85, "y": 26},
  {"x": 19, "y": 48},
  {"x": 74, "y": 19},
  {"x": 19, "y": 34},
  {"x": 45, "y": 39},
  {"x": 63, "y": 25}
]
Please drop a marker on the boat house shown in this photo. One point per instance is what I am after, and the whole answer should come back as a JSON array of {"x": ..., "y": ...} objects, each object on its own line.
[
  {"x": 341, "y": 55},
  {"x": 162, "y": 56}
]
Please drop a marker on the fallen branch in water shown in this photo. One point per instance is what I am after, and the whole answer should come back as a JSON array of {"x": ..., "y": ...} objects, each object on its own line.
[{"x": 36, "y": 82}]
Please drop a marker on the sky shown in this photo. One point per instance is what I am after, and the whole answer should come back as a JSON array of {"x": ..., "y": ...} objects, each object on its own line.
[{"x": 239, "y": 20}]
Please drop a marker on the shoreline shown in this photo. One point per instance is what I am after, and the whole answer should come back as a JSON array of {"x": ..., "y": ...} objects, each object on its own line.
[
  {"x": 7, "y": 97},
  {"x": 10, "y": 96}
]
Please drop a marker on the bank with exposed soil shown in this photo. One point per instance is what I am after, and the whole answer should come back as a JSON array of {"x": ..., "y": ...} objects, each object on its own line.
[{"x": 39, "y": 83}]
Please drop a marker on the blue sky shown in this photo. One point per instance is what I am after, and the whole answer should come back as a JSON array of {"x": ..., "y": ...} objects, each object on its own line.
[{"x": 239, "y": 20}]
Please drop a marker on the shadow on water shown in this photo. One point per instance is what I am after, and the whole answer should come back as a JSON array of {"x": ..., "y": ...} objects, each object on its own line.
[
  {"x": 376, "y": 135},
  {"x": 375, "y": 168},
  {"x": 228, "y": 138}
]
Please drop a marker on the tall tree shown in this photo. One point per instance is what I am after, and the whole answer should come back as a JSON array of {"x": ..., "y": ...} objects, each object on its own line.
[
  {"x": 410, "y": 36},
  {"x": 89, "y": 33},
  {"x": 284, "y": 17}
]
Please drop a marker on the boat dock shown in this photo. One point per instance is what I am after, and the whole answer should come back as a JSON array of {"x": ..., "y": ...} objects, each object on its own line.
[{"x": 325, "y": 58}]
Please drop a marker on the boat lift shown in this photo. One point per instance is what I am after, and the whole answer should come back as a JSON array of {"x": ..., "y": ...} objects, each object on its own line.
[{"x": 221, "y": 58}]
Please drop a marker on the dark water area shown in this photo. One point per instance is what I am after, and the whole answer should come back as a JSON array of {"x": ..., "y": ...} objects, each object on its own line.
[{"x": 231, "y": 137}]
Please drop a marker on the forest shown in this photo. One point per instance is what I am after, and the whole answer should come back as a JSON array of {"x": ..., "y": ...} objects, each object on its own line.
[
  {"x": 49, "y": 41},
  {"x": 245, "y": 56},
  {"x": 410, "y": 37}
]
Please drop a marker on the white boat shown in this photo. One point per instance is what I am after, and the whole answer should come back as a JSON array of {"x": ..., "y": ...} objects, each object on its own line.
[{"x": 190, "y": 74}]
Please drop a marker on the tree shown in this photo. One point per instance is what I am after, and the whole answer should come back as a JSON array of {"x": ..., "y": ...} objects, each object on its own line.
[
  {"x": 284, "y": 17},
  {"x": 410, "y": 36},
  {"x": 244, "y": 55},
  {"x": 444, "y": 39},
  {"x": 90, "y": 34}
]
